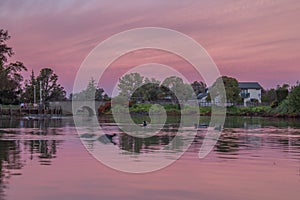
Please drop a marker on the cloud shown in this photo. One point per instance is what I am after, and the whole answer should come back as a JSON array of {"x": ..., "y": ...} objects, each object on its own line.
[{"x": 244, "y": 38}]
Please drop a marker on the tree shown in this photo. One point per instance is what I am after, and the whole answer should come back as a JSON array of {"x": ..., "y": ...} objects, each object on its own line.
[
  {"x": 129, "y": 83},
  {"x": 294, "y": 99},
  {"x": 231, "y": 86},
  {"x": 28, "y": 91},
  {"x": 151, "y": 80},
  {"x": 10, "y": 73},
  {"x": 5, "y": 51},
  {"x": 268, "y": 96},
  {"x": 149, "y": 90},
  {"x": 136, "y": 87},
  {"x": 177, "y": 88},
  {"x": 92, "y": 92},
  {"x": 291, "y": 104},
  {"x": 51, "y": 90},
  {"x": 198, "y": 87},
  {"x": 282, "y": 92}
]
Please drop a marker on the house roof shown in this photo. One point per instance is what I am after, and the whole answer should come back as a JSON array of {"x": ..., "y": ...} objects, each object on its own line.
[
  {"x": 249, "y": 85},
  {"x": 202, "y": 95}
]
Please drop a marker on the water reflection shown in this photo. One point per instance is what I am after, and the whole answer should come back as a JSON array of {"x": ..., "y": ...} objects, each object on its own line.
[
  {"x": 228, "y": 144},
  {"x": 10, "y": 162},
  {"x": 260, "y": 122},
  {"x": 45, "y": 150},
  {"x": 244, "y": 140},
  {"x": 151, "y": 144},
  {"x": 234, "y": 143},
  {"x": 14, "y": 151}
]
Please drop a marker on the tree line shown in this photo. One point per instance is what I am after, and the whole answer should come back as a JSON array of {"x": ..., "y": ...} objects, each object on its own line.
[
  {"x": 41, "y": 88},
  {"x": 132, "y": 86},
  {"x": 139, "y": 88}
]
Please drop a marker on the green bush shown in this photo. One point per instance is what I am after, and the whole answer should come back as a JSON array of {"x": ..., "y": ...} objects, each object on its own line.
[
  {"x": 294, "y": 99},
  {"x": 190, "y": 110},
  {"x": 140, "y": 108},
  {"x": 119, "y": 109},
  {"x": 157, "y": 109},
  {"x": 204, "y": 110},
  {"x": 274, "y": 104}
]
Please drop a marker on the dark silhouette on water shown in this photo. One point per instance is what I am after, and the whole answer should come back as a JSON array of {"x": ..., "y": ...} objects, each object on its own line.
[
  {"x": 144, "y": 123},
  {"x": 107, "y": 138}
]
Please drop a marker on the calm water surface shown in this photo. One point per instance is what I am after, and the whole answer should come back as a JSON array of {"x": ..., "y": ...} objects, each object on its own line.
[{"x": 255, "y": 158}]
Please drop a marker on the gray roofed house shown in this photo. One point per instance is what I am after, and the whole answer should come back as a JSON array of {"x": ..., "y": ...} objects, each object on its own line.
[
  {"x": 249, "y": 85},
  {"x": 250, "y": 91},
  {"x": 202, "y": 95}
]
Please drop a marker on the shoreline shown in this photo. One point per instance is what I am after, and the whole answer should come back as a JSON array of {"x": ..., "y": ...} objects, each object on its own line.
[
  {"x": 143, "y": 110},
  {"x": 276, "y": 116},
  {"x": 256, "y": 111},
  {"x": 209, "y": 114}
]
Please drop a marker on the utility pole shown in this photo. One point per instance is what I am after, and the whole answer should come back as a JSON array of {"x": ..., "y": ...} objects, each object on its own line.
[
  {"x": 34, "y": 94},
  {"x": 41, "y": 98}
]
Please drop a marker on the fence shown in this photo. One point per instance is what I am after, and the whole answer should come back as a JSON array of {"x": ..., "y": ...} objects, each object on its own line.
[{"x": 248, "y": 104}]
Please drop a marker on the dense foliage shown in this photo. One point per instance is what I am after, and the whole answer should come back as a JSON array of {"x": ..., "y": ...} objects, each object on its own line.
[
  {"x": 92, "y": 92},
  {"x": 10, "y": 73},
  {"x": 136, "y": 87},
  {"x": 47, "y": 83},
  {"x": 232, "y": 90}
]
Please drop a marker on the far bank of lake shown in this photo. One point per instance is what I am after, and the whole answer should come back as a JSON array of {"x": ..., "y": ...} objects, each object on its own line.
[{"x": 171, "y": 109}]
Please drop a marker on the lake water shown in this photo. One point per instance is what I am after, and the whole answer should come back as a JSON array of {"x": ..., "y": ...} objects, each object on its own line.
[{"x": 255, "y": 158}]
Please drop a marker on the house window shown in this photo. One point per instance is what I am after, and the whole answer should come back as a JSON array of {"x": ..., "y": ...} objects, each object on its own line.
[{"x": 244, "y": 91}]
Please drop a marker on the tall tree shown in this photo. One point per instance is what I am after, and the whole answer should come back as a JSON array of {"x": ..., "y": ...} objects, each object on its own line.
[
  {"x": 51, "y": 89},
  {"x": 282, "y": 92},
  {"x": 294, "y": 99},
  {"x": 177, "y": 88},
  {"x": 92, "y": 92},
  {"x": 231, "y": 86},
  {"x": 5, "y": 51},
  {"x": 129, "y": 83},
  {"x": 268, "y": 96},
  {"x": 198, "y": 87},
  {"x": 30, "y": 89},
  {"x": 10, "y": 73},
  {"x": 149, "y": 90}
]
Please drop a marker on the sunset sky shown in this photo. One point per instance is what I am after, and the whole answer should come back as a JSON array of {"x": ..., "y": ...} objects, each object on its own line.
[{"x": 255, "y": 40}]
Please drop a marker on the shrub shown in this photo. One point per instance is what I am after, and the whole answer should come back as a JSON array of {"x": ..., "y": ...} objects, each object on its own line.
[
  {"x": 294, "y": 99},
  {"x": 274, "y": 104}
]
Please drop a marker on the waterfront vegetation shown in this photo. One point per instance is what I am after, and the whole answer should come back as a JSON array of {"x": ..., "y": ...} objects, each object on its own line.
[{"x": 172, "y": 109}]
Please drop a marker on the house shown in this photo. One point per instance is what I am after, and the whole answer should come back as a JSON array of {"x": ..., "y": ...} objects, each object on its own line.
[
  {"x": 250, "y": 91},
  {"x": 202, "y": 98}
]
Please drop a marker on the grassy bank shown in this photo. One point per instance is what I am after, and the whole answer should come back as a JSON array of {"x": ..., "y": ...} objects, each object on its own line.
[{"x": 170, "y": 109}]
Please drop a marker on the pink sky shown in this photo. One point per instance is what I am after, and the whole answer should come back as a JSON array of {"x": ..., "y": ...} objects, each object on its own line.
[{"x": 255, "y": 40}]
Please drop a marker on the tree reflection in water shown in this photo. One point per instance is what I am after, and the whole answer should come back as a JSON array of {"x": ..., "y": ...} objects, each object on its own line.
[{"x": 12, "y": 152}]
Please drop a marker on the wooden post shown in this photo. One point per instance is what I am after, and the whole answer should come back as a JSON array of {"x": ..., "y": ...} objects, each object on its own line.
[{"x": 10, "y": 111}]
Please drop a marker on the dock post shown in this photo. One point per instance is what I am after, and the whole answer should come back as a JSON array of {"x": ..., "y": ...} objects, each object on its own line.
[{"x": 10, "y": 111}]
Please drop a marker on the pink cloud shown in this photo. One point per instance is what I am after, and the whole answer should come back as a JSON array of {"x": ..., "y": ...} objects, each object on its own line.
[{"x": 250, "y": 40}]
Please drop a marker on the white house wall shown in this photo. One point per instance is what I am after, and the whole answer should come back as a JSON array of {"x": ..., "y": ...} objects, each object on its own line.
[{"x": 254, "y": 94}]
